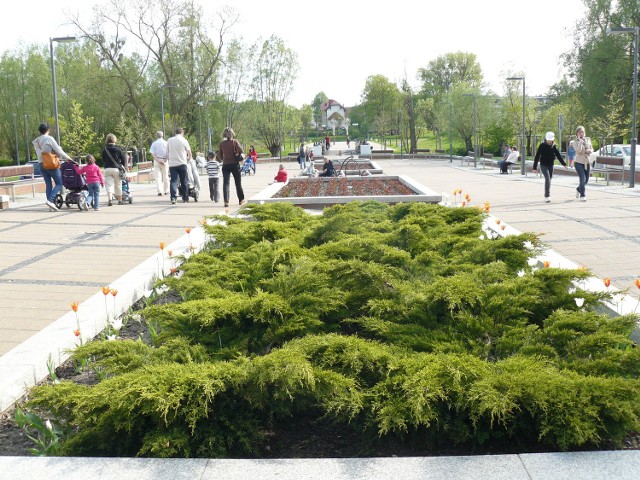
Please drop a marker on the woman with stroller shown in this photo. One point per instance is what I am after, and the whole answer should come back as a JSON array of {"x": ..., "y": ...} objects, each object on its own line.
[
  {"x": 114, "y": 162},
  {"x": 46, "y": 143},
  {"x": 227, "y": 151},
  {"x": 254, "y": 157}
]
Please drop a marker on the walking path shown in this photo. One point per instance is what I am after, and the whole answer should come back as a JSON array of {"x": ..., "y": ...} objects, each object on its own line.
[{"x": 49, "y": 260}]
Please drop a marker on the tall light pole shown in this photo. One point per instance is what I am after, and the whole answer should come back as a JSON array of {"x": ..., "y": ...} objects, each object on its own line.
[
  {"x": 634, "y": 106},
  {"x": 450, "y": 132},
  {"x": 26, "y": 138},
  {"x": 475, "y": 123},
  {"x": 53, "y": 78},
  {"x": 162, "y": 87},
  {"x": 524, "y": 133},
  {"x": 15, "y": 129},
  {"x": 200, "y": 103}
]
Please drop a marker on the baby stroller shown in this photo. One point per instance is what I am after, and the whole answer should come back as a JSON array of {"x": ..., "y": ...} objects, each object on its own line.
[
  {"x": 76, "y": 186},
  {"x": 247, "y": 167},
  {"x": 126, "y": 194}
]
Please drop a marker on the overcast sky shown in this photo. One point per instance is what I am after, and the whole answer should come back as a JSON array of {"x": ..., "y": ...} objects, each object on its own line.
[{"x": 340, "y": 44}]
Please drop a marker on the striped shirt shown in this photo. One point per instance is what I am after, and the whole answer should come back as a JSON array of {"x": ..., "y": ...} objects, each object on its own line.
[{"x": 213, "y": 167}]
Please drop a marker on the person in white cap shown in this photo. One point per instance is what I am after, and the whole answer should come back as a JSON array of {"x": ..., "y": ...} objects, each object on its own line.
[{"x": 546, "y": 155}]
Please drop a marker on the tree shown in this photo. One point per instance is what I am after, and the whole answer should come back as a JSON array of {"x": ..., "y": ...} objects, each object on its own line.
[
  {"x": 381, "y": 100},
  {"x": 79, "y": 137},
  {"x": 276, "y": 68},
  {"x": 446, "y": 71}
]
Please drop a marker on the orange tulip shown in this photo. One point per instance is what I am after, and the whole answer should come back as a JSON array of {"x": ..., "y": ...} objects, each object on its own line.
[
  {"x": 74, "y": 306},
  {"x": 188, "y": 230},
  {"x": 547, "y": 264},
  {"x": 498, "y": 221},
  {"x": 76, "y": 332},
  {"x": 503, "y": 227},
  {"x": 105, "y": 290},
  {"x": 114, "y": 292},
  {"x": 161, "y": 245},
  {"x": 464, "y": 204},
  {"x": 637, "y": 282},
  {"x": 170, "y": 252},
  {"x": 173, "y": 271},
  {"x": 607, "y": 282}
]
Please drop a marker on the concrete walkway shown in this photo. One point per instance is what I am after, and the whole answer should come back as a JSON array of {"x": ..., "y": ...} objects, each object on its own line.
[{"x": 49, "y": 260}]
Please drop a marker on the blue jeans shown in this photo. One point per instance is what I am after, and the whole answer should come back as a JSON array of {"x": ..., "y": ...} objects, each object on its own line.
[
  {"x": 50, "y": 176},
  {"x": 94, "y": 194},
  {"x": 583, "y": 176},
  {"x": 175, "y": 173},
  {"x": 547, "y": 173}
]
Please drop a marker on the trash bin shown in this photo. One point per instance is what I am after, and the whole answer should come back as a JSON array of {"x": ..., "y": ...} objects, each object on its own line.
[
  {"x": 36, "y": 167},
  {"x": 365, "y": 150}
]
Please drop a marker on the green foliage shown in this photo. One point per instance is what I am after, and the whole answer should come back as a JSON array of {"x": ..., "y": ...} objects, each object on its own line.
[{"x": 398, "y": 323}]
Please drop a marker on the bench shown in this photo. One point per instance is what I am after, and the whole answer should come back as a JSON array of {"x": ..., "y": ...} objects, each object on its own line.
[
  {"x": 423, "y": 150},
  {"x": 144, "y": 168},
  {"x": 486, "y": 158},
  {"x": 21, "y": 175},
  {"x": 469, "y": 158},
  {"x": 608, "y": 166}
]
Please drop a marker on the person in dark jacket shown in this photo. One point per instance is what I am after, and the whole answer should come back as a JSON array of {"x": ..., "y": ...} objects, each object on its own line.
[
  {"x": 227, "y": 151},
  {"x": 114, "y": 161},
  {"x": 546, "y": 155}
]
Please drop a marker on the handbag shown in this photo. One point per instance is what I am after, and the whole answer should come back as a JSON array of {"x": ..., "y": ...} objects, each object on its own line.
[
  {"x": 50, "y": 161},
  {"x": 238, "y": 156}
]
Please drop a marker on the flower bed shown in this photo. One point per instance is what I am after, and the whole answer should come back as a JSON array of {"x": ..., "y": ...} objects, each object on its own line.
[{"x": 321, "y": 192}]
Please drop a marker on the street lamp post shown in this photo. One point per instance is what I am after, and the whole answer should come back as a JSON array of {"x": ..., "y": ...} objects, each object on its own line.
[
  {"x": 162, "y": 87},
  {"x": 634, "y": 106},
  {"x": 53, "y": 78},
  {"x": 26, "y": 138},
  {"x": 450, "y": 132},
  {"x": 475, "y": 138},
  {"x": 524, "y": 133},
  {"x": 200, "y": 103},
  {"x": 15, "y": 129}
]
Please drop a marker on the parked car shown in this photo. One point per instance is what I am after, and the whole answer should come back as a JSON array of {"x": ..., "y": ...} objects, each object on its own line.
[{"x": 616, "y": 150}]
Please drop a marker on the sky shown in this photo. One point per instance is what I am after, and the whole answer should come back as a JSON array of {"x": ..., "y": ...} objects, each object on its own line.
[{"x": 341, "y": 44}]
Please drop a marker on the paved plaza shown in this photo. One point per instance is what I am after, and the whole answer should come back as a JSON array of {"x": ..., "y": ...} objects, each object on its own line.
[{"x": 50, "y": 259}]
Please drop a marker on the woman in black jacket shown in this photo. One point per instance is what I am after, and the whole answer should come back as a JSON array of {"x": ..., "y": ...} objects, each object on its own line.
[
  {"x": 114, "y": 160},
  {"x": 546, "y": 155}
]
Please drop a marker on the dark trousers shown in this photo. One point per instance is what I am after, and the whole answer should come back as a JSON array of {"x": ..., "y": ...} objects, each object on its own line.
[
  {"x": 547, "y": 173},
  {"x": 227, "y": 171},
  {"x": 213, "y": 189},
  {"x": 179, "y": 173}
]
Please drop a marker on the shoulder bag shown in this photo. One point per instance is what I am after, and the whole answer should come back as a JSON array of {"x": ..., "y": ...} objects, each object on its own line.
[
  {"x": 238, "y": 156},
  {"x": 50, "y": 160}
]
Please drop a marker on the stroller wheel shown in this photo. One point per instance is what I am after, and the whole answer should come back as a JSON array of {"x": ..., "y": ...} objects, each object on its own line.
[
  {"x": 130, "y": 200},
  {"x": 59, "y": 201}
]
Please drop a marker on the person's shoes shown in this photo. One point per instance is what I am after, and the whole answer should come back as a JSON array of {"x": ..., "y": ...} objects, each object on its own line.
[
  {"x": 185, "y": 200},
  {"x": 52, "y": 206},
  {"x": 547, "y": 199},
  {"x": 243, "y": 202},
  {"x": 119, "y": 203},
  {"x": 96, "y": 209},
  {"x": 583, "y": 199},
  {"x": 577, "y": 193},
  {"x": 110, "y": 204},
  {"x": 226, "y": 204},
  {"x": 160, "y": 194},
  {"x": 173, "y": 201},
  {"x": 85, "y": 206}
]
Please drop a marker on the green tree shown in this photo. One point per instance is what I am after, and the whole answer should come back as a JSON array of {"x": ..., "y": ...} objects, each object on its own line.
[
  {"x": 442, "y": 74},
  {"x": 79, "y": 137},
  {"x": 381, "y": 100}
]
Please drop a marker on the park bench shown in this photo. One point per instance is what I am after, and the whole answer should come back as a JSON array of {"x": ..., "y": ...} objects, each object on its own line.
[
  {"x": 144, "y": 168},
  {"x": 487, "y": 158},
  {"x": 422, "y": 150},
  {"x": 16, "y": 176},
  {"x": 469, "y": 158},
  {"x": 608, "y": 166}
]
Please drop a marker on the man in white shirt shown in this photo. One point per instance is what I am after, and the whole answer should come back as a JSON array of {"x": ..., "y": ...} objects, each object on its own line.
[
  {"x": 178, "y": 155},
  {"x": 160, "y": 165}
]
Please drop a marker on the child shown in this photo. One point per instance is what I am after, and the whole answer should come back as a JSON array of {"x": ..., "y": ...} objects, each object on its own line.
[
  {"x": 94, "y": 179},
  {"x": 281, "y": 176},
  {"x": 213, "y": 170},
  {"x": 571, "y": 153}
]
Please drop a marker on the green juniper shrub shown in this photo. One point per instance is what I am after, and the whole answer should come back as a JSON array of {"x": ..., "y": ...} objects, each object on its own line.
[{"x": 401, "y": 325}]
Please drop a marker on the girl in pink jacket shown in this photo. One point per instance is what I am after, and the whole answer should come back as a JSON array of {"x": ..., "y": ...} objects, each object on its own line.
[{"x": 94, "y": 179}]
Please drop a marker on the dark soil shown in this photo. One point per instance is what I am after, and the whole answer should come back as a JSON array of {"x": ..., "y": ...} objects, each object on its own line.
[
  {"x": 291, "y": 438},
  {"x": 343, "y": 187}
]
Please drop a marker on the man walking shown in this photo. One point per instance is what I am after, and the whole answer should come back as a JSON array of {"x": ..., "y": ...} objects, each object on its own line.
[
  {"x": 160, "y": 166},
  {"x": 178, "y": 154}
]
